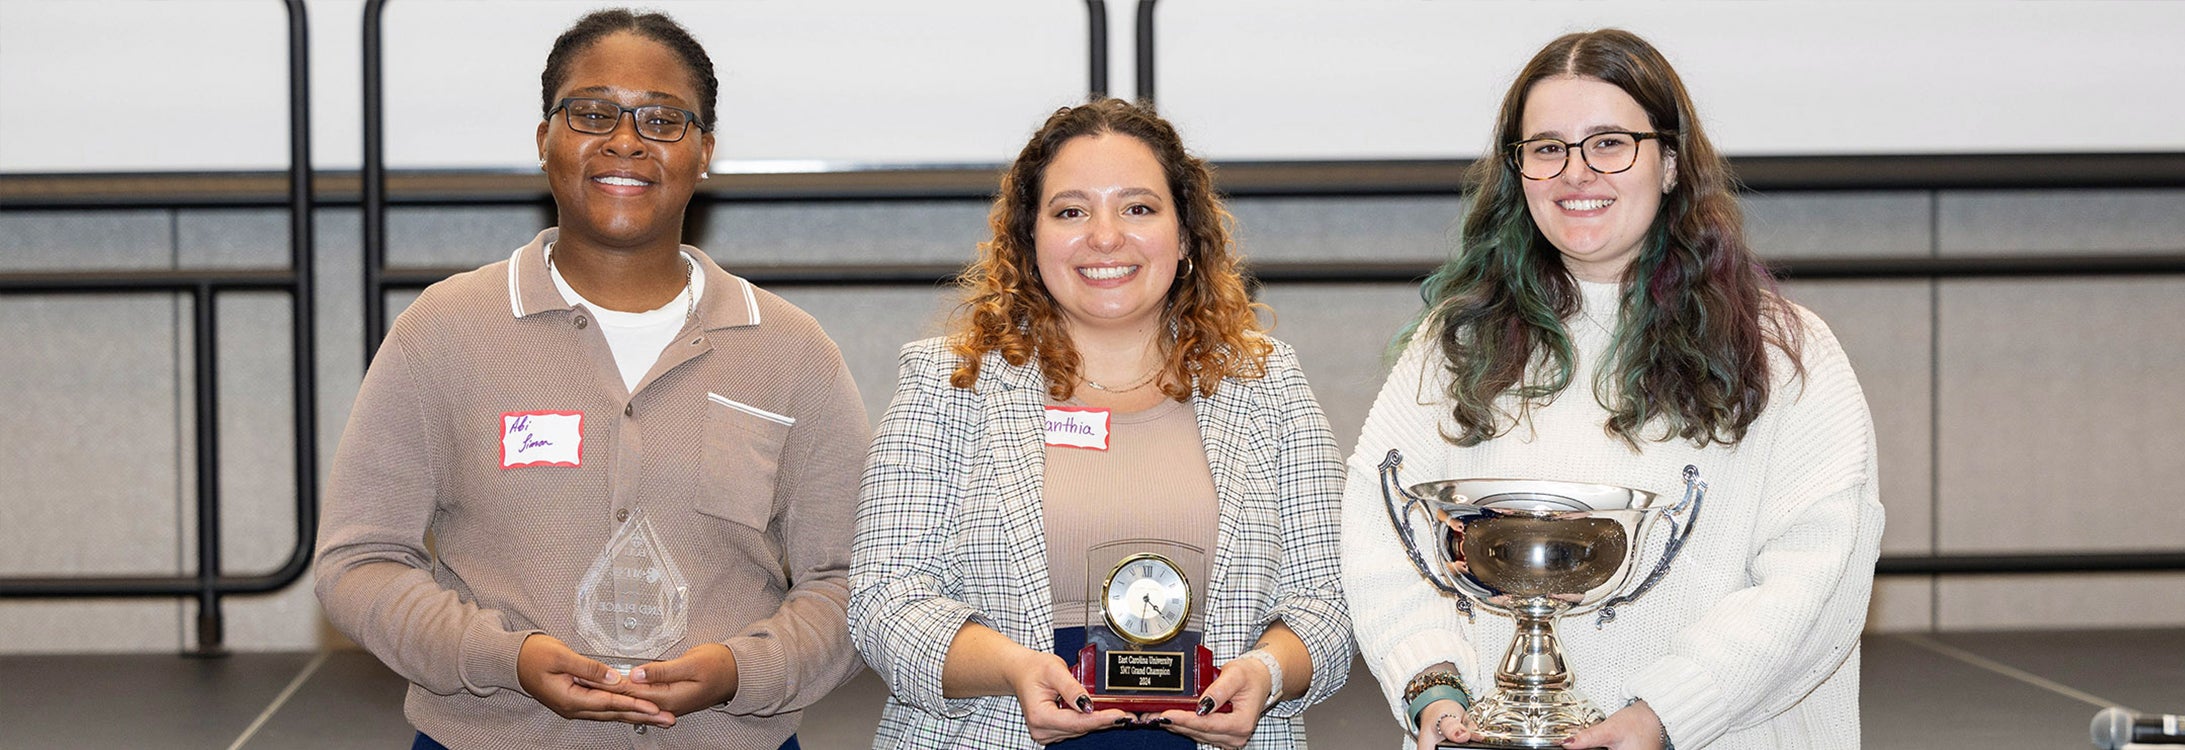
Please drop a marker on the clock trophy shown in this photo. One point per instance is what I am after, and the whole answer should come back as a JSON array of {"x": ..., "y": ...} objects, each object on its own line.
[{"x": 1141, "y": 654}]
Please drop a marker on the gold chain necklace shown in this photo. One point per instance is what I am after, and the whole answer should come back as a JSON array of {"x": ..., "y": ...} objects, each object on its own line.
[{"x": 1142, "y": 382}]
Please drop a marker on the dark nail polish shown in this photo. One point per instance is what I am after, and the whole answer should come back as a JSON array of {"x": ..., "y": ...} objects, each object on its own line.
[
  {"x": 1206, "y": 706},
  {"x": 1164, "y": 721},
  {"x": 1084, "y": 703},
  {"x": 1122, "y": 721}
]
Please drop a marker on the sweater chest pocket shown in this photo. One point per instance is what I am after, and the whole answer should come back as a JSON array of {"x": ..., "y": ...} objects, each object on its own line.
[{"x": 742, "y": 458}]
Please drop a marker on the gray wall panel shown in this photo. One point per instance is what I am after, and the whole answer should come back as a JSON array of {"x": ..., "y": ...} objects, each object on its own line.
[
  {"x": 1836, "y": 225},
  {"x": 459, "y": 236},
  {"x": 86, "y": 240},
  {"x": 1296, "y": 230},
  {"x": 2016, "y": 222},
  {"x": 232, "y": 238},
  {"x": 776, "y": 234},
  {"x": 88, "y": 443},
  {"x": 1341, "y": 332},
  {"x": 89, "y": 467},
  {"x": 870, "y": 325},
  {"x": 2114, "y": 600},
  {"x": 1886, "y": 328},
  {"x": 2060, "y": 393}
]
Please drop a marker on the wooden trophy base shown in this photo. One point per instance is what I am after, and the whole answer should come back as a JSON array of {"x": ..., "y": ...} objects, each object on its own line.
[{"x": 1202, "y": 673}]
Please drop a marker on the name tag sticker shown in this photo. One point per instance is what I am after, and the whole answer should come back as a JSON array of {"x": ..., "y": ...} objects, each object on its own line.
[
  {"x": 542, "y": 438},
  {"x": 1077, "y": 427}
]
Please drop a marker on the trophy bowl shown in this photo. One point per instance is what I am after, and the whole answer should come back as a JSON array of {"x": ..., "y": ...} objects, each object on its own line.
[{"x": 1536, "y": 550}]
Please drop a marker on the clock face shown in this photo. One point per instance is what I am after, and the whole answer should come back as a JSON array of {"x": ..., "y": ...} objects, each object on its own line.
[{"x": 1147, "y": 599}]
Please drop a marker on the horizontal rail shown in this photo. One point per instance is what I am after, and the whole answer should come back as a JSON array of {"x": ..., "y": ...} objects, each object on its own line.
[
  {"x": 977, "y": 181},
  {"x": 929, "y": 274},
  {"x": 2074, "y": 562},
  {"x": 102, "y": 282}
]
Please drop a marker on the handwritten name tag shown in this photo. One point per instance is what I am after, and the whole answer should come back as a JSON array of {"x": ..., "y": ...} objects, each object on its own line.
[
  {"x": 542, "y": 438},
  {"x": 1077, "y": 427}
]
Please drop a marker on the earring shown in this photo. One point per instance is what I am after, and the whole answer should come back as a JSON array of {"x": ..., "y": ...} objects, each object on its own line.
[
  {"x": 542, "y": 163},
  {"x": 704, "y": 175},
  {"x": 1187, "y": 267}
]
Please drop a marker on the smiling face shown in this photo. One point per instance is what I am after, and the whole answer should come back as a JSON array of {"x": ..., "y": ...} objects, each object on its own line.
[
  {"x": 619, "y": 190},
  {"x": 1597, "y": 221},
  {"x": 1106, "y": 238}
]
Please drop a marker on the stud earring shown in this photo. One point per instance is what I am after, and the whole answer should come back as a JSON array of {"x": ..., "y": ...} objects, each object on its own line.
[
  {"x": 704, "y": 175},
  {"x": 542, "y": 163}
]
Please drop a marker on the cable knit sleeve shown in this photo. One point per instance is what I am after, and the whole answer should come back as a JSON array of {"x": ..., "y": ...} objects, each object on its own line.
[
  {"x": 1403, "y": 624},
  {"x": 900, "y": 616},
  {"x": 1759, "y": 650}
]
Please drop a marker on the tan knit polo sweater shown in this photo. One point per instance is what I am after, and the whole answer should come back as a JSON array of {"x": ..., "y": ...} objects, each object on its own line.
[{"x": 743, "y": 446}]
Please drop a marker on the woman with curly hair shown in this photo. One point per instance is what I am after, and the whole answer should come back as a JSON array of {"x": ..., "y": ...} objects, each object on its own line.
[
  {"x": 1604, "y": 321},
  {"x": 1105, "y": 379}
]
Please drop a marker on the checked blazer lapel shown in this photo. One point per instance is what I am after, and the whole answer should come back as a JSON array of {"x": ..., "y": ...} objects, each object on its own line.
[
  {"x": 1244, "y": 470},
  {"x": 1015, "y": 409}
]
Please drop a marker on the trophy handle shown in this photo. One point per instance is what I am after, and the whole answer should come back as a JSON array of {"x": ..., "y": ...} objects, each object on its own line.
[
  {"x": 1399, "y": 517},
  {"x": 1695, "y": 495}
]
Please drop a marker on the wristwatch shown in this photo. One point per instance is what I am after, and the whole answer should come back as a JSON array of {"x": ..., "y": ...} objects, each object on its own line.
[{"x": 1274, "y": 672}]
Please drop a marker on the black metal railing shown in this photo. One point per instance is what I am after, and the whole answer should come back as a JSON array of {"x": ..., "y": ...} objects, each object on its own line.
[{"x": 203, "y": 288}]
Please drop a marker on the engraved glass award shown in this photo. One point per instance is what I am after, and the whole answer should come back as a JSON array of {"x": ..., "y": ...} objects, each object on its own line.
[
  {"x": 633, "y": 603},
  {"x": 1140, "y": 654}
]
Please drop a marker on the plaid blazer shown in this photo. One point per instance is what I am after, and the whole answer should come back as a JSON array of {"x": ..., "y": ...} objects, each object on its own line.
[{"x": 948, "y": 531}]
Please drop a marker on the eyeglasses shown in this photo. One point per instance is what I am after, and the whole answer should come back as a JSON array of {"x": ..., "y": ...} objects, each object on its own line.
[
  {"x": 1607, "y": 153},
  {"x": 655, "y": 122}
]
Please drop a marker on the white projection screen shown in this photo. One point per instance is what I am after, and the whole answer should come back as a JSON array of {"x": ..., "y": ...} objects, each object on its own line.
[{"x": 110, "y": 86}]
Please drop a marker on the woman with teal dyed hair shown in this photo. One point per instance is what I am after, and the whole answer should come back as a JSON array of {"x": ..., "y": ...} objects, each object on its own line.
[{"x": 1604, "y": 321}]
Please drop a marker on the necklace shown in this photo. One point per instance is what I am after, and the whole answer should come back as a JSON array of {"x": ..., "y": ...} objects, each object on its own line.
[
  {"x": 1142, "y": 382},
  {"x": 690, "y": 271}
]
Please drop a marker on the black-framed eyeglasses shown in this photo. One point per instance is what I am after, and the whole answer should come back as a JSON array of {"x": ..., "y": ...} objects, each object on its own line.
[
  {"x": 655, "y": 122},
  {"x": 1607, "y": 152}
]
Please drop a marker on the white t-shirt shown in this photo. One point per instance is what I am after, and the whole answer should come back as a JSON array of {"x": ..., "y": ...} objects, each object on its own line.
[{"x": 637, "y": 338}]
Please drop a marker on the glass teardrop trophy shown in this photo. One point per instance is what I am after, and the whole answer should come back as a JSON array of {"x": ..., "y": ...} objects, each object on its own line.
[{"x": 633, "y": 603}]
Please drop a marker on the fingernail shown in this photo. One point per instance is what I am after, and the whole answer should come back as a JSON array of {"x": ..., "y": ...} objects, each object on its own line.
[
  {"x": 612, "y": 677},
  {"x": 1122, "y": 721},
  {"x": 1084, "y": 703},
  {"x": 1206, "y": 706},
  {"x": 638, "y": 674},
  {"x": 1164, "y": 721}
]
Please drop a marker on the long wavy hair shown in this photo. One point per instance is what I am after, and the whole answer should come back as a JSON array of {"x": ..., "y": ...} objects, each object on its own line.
[
  {"x": 1212, "y": 323},
  {"x": 1699, "y": 309}
]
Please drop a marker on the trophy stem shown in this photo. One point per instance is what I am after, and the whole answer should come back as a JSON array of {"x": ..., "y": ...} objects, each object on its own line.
[{"x": 1533, "y": 705}]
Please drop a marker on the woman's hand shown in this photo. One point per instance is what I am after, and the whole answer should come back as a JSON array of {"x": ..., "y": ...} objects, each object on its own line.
[
  {"x": 1444, "y": 721},
  {"x": 1243, "y": 685},
  {"x": 702, "y": 677},
  {"x": 1055, "y": 705},
  {"x": 562, "y": 680},
  {"x": 1634, "y": 727}
]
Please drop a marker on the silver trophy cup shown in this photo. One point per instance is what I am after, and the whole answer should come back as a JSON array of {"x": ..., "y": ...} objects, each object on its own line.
[{"x": 1535, "y": 550}]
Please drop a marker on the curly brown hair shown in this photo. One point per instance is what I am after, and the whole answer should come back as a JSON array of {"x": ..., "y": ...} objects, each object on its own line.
[{"x": 1213, "y": 324}]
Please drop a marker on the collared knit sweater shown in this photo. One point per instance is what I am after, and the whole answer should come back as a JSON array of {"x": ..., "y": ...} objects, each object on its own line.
[
  {"x": 741, "y": 445},
  {"x": 1750, "y": 641}
]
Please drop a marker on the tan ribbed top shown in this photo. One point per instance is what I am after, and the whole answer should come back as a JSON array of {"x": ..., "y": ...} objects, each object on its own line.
[{"x": 1151, "y": 483}]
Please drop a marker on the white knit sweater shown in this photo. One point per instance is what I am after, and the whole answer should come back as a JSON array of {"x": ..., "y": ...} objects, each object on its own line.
[{"x": 1751, "y": 641}]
